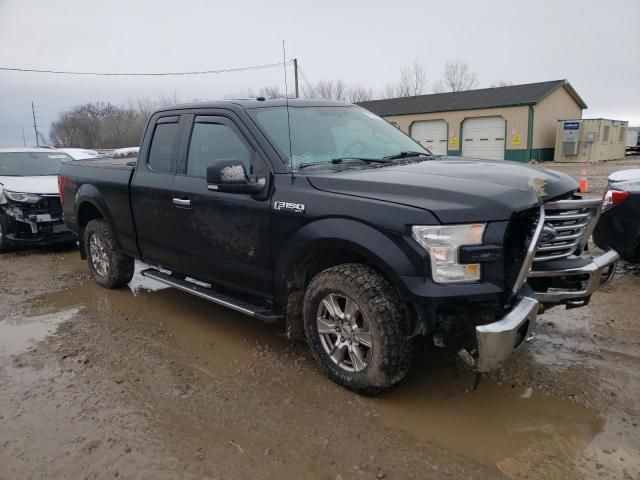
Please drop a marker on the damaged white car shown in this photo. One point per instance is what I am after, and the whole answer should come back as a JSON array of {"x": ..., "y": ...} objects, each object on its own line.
[{"x": 30, "y": 208}]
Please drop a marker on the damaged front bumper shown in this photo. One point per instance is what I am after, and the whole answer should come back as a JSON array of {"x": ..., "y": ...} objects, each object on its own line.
[
  {"x": 498, "y": 340},
  {"x": 572, "y": 281},
  {"x": 35, "y": 226}
]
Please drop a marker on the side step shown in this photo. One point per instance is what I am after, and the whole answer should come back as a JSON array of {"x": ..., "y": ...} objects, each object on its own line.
[{"x": 261, "y": 313}]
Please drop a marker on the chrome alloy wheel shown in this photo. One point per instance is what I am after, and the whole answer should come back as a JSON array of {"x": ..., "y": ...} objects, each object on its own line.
[
  {"x": 344, "y": 332},
  {"x": 99, "y": 255}
]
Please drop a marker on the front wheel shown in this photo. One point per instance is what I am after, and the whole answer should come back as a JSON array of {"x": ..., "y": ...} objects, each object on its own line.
[
  {"x": 109, "y": 268},
  {"x": 357, "y": 328}
]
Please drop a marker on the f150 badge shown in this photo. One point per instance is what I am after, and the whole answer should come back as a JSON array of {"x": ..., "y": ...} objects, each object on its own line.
[{"x": 292, "y": 207}]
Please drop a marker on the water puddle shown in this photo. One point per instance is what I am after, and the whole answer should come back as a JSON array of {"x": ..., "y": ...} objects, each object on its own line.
[
  {"x": 215, "y": 336},
  {"x": 511, "y": 428},
  {"x": 18, "y": 332}
]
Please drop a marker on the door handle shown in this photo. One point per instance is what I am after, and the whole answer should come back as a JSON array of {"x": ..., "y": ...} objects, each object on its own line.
[{"x": 182, "y": 202}]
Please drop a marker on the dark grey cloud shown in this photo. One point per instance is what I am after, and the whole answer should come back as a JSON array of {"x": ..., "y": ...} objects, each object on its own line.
[{"x": 591, "y": 43}]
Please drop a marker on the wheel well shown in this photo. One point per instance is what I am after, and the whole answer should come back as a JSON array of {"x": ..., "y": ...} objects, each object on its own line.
[
  {"x": 304, "y": 270},
  {"x": 86, "y": 212}
]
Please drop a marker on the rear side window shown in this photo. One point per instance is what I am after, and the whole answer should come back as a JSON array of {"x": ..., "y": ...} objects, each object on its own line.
[
  {"x": 163, "y": 147},
  {"x": 212, "y": 143}
]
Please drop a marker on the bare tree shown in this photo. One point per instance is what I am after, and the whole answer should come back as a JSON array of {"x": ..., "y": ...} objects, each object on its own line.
[
  {"x": 501, "y": 83},
  {"x": 390, "y": 90},
  {"x": 457, "y": 77},
  {"x": 328, "y": 90},
  {"x": 105, "y": 125},
  {"x": 271, "y": 92},
  {"x": 413, "y": 81},
  {"x": 358, "y": 93}
]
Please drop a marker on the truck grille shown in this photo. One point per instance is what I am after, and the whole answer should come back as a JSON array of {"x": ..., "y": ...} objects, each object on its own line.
[{"x": 567, "y": 227}]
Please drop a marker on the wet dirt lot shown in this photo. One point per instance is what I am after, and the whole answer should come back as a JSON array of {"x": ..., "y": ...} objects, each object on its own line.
[{"x": 149, "y": 382}]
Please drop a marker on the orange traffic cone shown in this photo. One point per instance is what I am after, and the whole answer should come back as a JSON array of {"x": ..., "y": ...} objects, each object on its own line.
[{"x": 583, "y": 185}]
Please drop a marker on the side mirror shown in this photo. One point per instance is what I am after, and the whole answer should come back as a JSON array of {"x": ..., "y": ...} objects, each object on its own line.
[{"x": 230, "y": 176}]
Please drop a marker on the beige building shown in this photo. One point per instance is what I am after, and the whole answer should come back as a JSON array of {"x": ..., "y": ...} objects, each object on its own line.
[
  {"x": 590, "y": 140},
  {"x": 516, "y": 122}
]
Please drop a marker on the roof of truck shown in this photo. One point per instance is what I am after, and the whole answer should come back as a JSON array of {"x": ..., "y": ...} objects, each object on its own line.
[{"x": 259, "y": 102}]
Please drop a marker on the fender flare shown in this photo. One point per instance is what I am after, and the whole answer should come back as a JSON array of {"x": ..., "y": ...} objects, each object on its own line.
[
  {"x": 360, "y": 238},
  {"x": 88, "y": 193}
]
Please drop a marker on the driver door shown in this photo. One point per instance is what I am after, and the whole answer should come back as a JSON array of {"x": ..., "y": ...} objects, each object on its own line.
[{"x": 224, "y": 237}]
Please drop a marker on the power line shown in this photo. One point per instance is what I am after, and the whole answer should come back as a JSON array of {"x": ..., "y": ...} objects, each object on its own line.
[
  {"x": 118, "y": 74},
  {"x": 304, "y": 77}
]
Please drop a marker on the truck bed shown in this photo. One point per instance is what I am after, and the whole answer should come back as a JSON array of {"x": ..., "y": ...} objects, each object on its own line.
[{"x": 105, "y": 183}]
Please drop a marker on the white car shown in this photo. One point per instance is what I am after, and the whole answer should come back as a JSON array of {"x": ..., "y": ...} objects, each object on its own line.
[
  {"x": 80, "y": 153},
  {"x": 30, "y": 207}
]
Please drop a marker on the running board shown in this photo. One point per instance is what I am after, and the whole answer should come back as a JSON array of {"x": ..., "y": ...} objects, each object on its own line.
[{"x": 261, "y": 313}]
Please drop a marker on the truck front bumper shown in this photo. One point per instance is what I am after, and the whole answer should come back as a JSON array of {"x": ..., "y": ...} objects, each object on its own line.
[
  {"x": 572, "y": 281},
  {"x": 498, "y": 340}
]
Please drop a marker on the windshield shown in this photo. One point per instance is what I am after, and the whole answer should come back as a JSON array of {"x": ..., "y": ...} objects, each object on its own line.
[
  {"x": 30, "y": 164},
  {"x": 322, "y": 134}
]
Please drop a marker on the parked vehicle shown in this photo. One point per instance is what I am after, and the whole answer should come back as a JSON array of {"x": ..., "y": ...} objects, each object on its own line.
[
  {"x": 80, "y": 153},
  {"x": 128, "y": 152},
  {"x": 619, "y": 225},
  {"x": 30, "y": 209},
  {"x": 326, "y": 216}
]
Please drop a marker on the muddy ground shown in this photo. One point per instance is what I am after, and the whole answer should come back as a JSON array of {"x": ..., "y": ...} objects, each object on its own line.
[{"x": 153, "y": 383}]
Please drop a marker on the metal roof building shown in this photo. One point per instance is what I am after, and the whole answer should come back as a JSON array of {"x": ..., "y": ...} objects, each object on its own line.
[{"x": 516, "y": 122}]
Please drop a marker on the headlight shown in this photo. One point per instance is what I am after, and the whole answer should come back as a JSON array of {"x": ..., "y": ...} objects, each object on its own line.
[
  {"x": 443, "y": 244},
  {"x": 22, "y": 197}
]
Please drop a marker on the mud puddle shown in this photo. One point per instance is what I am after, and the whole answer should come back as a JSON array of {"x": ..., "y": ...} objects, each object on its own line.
[
  {"x": 19, "y": 331},
  {"x": 214, "y": 337},
  {"x": 511, "y": 428}
]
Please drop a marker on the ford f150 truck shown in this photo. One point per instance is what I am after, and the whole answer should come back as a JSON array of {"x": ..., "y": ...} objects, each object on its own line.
[{"x": 327, "y": 217}]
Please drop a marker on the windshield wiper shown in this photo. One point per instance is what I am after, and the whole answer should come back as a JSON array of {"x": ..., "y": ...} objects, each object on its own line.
[
  {"x": 340, "y": 160},
  {"x": 406, "y": 154}
]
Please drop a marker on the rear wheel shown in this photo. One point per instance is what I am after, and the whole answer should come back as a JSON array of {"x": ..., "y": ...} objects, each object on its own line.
[
  {"x": 109, "y": 268},
  {"x": 357, "y": 328}
]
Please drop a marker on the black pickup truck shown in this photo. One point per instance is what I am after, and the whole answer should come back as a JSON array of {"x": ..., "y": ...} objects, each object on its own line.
[{"x": 324, "y": 216}]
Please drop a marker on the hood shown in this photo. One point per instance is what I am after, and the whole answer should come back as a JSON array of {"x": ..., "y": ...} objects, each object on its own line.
[
  {"x": 45, "y": 185},
  {"x": 454, "y": 189}
]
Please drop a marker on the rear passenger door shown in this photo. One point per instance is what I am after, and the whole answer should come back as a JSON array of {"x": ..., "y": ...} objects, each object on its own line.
[
  {"x": 151, "y": 192},
  {"x": 224, "y": 237}
]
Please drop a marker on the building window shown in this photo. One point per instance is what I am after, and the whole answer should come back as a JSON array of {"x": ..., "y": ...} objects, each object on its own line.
[
  {"x": 605, "y": 133},
  {"x": 621, "y": 137}
]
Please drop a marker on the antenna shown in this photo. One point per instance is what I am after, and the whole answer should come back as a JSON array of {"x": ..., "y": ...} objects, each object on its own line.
[{"x": 286, "y": 99}]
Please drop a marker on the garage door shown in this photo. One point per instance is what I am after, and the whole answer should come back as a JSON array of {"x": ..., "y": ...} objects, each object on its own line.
[
  {"x": 483, "y": 138},
  {"x": 431, "y": 134}
]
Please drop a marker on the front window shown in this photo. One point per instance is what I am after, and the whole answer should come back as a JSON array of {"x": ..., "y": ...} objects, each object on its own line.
[
  {"x": 323, "y": 134},
  {"x": 31, "y": 164}
]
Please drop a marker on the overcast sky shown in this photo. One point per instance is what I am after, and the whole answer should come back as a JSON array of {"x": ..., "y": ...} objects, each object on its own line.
[{"x": 593, "y": 44}]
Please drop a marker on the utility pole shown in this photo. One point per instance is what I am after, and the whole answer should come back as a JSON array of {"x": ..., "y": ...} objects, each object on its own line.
[
  {"x": 35, "y": 126},
  {"x": 24, "y": 141},
  {"x": 295, "y": 76}
]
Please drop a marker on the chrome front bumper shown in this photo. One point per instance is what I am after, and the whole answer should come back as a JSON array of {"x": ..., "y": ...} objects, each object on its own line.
[
  {"x": 595, "y": 274},
  {"x": 498, "y": 340}
]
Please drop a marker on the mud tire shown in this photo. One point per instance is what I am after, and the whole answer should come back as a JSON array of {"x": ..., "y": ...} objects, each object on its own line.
[
  {"x": 120, "y": 266},
  {"x": 378, "y": 300}
]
